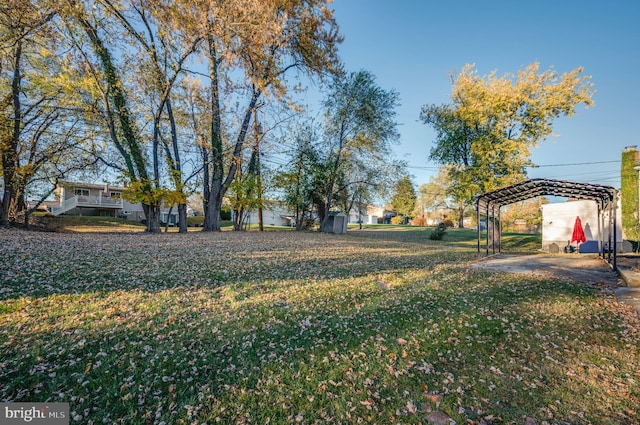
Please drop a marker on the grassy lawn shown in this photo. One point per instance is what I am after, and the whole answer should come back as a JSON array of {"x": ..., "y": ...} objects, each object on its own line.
[
  {"x": 74, "y": 224},
  {"x": 379, "y": 326}
]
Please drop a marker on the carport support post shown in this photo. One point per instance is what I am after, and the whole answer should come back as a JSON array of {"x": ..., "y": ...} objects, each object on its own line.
[
  {"x": 601, "y": 228},
  {"x": 609, "y": 236},
  {"x": 478, "y": 223},
  {"x": 499, "y": 230},
  {"x": 493, "y": 229},
  {"x": 487, "y": 221},
  {"x": 615, "y": 233}
]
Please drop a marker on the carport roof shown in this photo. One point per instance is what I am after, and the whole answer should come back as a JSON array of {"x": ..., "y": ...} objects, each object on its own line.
[{"x": 545, "y": 187}]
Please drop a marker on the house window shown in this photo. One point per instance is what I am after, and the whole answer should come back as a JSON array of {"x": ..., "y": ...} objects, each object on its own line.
[
  {"x": 82, "y": 192},
  {"x": 166, "y": 218},
  {"x": 115, "y": 195}
]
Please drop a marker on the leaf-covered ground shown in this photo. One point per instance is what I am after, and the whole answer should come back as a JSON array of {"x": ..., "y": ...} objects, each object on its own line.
[{"x": 381, "y": 327}]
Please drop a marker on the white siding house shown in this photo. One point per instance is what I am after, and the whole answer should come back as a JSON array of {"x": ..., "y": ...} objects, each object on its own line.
[
  {"x": 371, "y": 216},
  {"x": 274, "y": 214},
  {"x": 86, "y": 199},
  {"x": 558, "y": 220},
  {"x": 277, "y": 214}
]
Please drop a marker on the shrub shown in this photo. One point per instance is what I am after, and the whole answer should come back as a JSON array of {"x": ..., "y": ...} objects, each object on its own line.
[
  {"x": 397, "y": 220},
  {"x": 197, "y": 221},
  {"x": 438, "y": 233},
  {"x": 447, "y": 222},
  {"x": 419, "y": 221},
  {"x": 225, "y": 213}
]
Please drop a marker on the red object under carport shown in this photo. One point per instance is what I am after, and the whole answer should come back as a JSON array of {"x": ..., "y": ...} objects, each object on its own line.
[{"x": 578, "y": 232}]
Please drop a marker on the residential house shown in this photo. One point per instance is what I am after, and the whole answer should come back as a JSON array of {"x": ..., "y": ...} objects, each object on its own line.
[
  {"x": 370, "y": 217},
  {"x": 273, "y": 214},
  {"x": 86, "y": 199},
  {"x": 278, "y": 214}
]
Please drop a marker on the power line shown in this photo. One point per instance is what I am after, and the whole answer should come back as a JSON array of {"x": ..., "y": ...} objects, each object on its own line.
[
  {"x": 531, "y": 166},
  {"x": 576, "y": 163}
]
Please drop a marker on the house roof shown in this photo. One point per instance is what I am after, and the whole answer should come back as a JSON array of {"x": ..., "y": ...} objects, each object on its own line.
[
  {"x": 545, "y": 187},
  {"x": 90, "y": 185}
]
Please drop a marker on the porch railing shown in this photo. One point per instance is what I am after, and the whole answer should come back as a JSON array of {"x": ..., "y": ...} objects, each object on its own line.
[{"x": 86, "y": 201}]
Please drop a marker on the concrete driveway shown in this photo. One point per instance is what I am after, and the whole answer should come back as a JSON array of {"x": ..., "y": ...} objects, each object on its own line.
[{"x": 589, "y": 269}]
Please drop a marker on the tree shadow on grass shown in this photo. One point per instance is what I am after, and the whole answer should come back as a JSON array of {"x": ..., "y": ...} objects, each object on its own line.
[
  {"x": 66, "y": 264},
  {"x": 489, "y": 342}
]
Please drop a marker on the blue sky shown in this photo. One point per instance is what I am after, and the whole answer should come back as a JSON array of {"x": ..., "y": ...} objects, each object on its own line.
[{"x": 413, "y": 47}]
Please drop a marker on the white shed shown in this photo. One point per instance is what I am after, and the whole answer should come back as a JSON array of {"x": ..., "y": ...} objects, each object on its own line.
[
  {"x": 558, "y": 220},
  {"x": 336, "y": 223}
]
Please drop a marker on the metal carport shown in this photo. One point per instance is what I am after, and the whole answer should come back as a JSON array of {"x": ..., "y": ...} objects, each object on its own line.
[{"x": 606, "y": 197}]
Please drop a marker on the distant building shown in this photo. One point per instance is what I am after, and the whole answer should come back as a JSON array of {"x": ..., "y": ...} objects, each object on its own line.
[
  {"x": 370, "y": 216},
  {"x": 86, "y": 199},
  {"x": 273, "y": 214}
]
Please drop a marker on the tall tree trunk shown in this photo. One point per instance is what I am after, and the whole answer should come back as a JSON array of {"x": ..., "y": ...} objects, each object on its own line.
[
  {"x": 182, "y": 218},
  {"x": 212, "y": 210},
  {"x": 8, "y": 168},
  {"x": 213, "y": 164},
  {"x": 4, "y": 208},
  {"x": 331, "y": 184},
  {"x": 164, "y": 85},
  {"x": 219, "y": 186},
  {"x": 177, "y": 166},
  {"x": 152, "y": 214},
  {"x": 10, "y": 145},
  {"x": 254, "y": 167},
  {"x": 298, "y": 219},
  {"x": 238, "y": 217},
  {"x": 219, "y": 183},
  {"x": 17, "y": 203},
  {"x": 166, "y": 223},
  {"x": 207, "y": 183},
  {"x": 131, "y": 148}
]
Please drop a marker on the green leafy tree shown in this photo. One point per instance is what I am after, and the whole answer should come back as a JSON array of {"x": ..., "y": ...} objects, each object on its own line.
[
  {"x": 300, "y": 181},
  {"x": 366, "y": 178},
  {"x": 246, "y": 191},
  {"x": 117, "y": 104},
  {"x": 360, "y": 127},
  {"x": 404, "y": 197},
  {"x": 136, "y": 62},
  {"x": 159, "y": 60},
  {"x": 488, "y": 130},
  {"x": 527, "y": 211},
  {"x": 41, "y": 141},
  {"x": 434, "y": 197}
]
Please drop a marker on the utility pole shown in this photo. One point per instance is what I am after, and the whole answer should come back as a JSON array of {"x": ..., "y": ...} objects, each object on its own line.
[{"x": 257, "y": 133}]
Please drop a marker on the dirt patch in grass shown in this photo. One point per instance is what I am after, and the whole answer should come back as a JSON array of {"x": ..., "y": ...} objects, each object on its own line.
[{"x": 589, "y": 269}]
